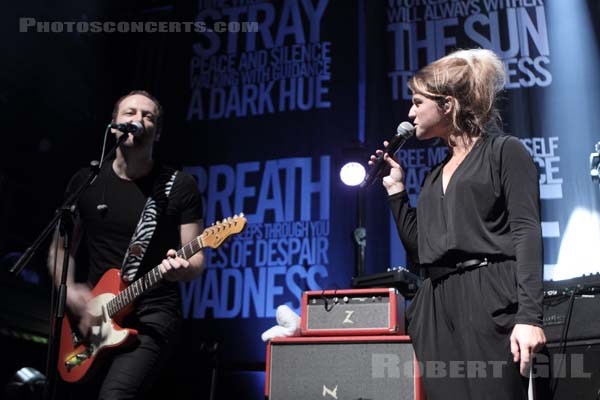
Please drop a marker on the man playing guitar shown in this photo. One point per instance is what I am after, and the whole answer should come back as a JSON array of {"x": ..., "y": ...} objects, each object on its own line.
[{"x": 133, "y": 217}]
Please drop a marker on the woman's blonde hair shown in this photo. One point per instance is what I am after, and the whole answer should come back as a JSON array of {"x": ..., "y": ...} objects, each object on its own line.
[{"x": 473, "y": 78}]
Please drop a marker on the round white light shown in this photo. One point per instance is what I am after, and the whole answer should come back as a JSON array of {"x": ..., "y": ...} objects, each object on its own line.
[{"x": 352, "y": 173}]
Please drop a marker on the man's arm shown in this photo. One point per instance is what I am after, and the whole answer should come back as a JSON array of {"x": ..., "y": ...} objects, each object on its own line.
[{"x": 178, "y": 269}]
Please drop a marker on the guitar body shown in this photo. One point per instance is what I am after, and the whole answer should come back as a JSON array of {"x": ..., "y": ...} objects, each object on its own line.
[
  {"x": 76, "y": 357},
  {"x": 112, "y": 300}
]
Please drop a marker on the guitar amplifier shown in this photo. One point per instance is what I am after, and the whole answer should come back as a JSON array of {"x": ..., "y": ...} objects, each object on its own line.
[
  {"x": 584, "y": 323},
  {"x": 351, "y": 367},
  {"x": 400, "y": 278},
  {"x": 352, "y": 312}
]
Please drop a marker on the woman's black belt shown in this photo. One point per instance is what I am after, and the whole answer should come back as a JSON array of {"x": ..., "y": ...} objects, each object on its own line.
[
  {"x": 448, "y": 266},
  {"x": 473, "y": 262}
]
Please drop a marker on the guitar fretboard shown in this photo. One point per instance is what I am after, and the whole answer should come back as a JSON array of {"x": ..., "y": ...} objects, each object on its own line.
[
  {"x": 190, "y": 249},
  {"x": 149, "y": 280}
]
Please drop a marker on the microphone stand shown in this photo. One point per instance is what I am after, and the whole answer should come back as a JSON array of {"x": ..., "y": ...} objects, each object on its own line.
[
  {"x": 61, "y": 217},
  {"x": 360, "y": 233}
]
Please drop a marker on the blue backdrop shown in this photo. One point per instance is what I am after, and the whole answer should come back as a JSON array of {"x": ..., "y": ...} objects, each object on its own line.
[{"x": 264, "y": 119}]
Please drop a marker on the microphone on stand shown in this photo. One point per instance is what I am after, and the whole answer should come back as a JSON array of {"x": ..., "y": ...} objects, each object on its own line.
[
  {"x": 404, "y": 131},
  {"x": 135, "y": 128}
]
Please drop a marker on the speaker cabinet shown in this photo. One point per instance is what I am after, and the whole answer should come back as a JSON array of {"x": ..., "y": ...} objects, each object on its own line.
[
  {"x": 584, "y": 323},
  {"x": 352, "y": 367},
  {"x": 574, "y": 374}
]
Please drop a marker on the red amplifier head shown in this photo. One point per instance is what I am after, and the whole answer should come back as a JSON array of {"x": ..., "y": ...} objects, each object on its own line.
[{"x": 352, "y": 312}]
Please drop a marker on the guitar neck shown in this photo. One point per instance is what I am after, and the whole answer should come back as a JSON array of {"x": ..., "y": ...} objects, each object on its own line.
[{"x": 149, "y": 280}]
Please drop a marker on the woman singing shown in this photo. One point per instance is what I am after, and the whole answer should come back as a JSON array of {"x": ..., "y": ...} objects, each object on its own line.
[{"x": 477, "y": 319}]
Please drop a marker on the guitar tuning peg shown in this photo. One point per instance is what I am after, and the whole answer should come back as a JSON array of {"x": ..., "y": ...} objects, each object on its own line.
[
  {"x": 229, "y": 219},
  {"x": 241, "y": 215}
]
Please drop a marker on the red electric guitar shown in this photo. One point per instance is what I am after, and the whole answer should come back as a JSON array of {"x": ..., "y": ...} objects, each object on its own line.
[{"x": 111, "y": 301}]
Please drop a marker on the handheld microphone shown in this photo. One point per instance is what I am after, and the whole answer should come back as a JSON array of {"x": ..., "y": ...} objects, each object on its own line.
[
  {"x": 135, "y": 127},
  {"x": 404, "y": 131}
]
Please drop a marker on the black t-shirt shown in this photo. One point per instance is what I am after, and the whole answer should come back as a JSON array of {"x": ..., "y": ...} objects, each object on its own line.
[
  {"x": 490, "y": 207},
  {"x": 107, "y": 234}
]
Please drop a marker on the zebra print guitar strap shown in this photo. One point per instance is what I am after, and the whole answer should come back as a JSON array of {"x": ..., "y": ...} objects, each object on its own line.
[{"x": 154, "y": 208}]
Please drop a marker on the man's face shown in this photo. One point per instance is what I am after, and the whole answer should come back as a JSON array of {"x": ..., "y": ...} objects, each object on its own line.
[{"x": 138, "y": 107}]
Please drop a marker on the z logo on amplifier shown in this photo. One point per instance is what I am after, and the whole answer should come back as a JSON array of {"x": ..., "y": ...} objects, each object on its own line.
[
  {"x": 329, "y": 392},
  {"x": 347, "y": 320}
]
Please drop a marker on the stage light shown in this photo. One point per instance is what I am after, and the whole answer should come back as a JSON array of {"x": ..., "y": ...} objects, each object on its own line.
[
  {"x": 352, "y": 173},
  {"x": 578, "y": 254},
  {"x": 575, "y": 65},
  {"x": 27, "y": 384},
  {"x": 29, "y": 375},
  {"x": 351, "y": 163}
]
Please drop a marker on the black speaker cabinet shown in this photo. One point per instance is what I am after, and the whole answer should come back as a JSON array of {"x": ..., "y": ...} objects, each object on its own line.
[
  {"x": 574, "y": 374},
  {"x": 584, "y": 323},
  {"x": 343, "y": 368}
]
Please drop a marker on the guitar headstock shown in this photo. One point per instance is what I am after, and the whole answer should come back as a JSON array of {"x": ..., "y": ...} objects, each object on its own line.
[{"x": 215, "y": 235}]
